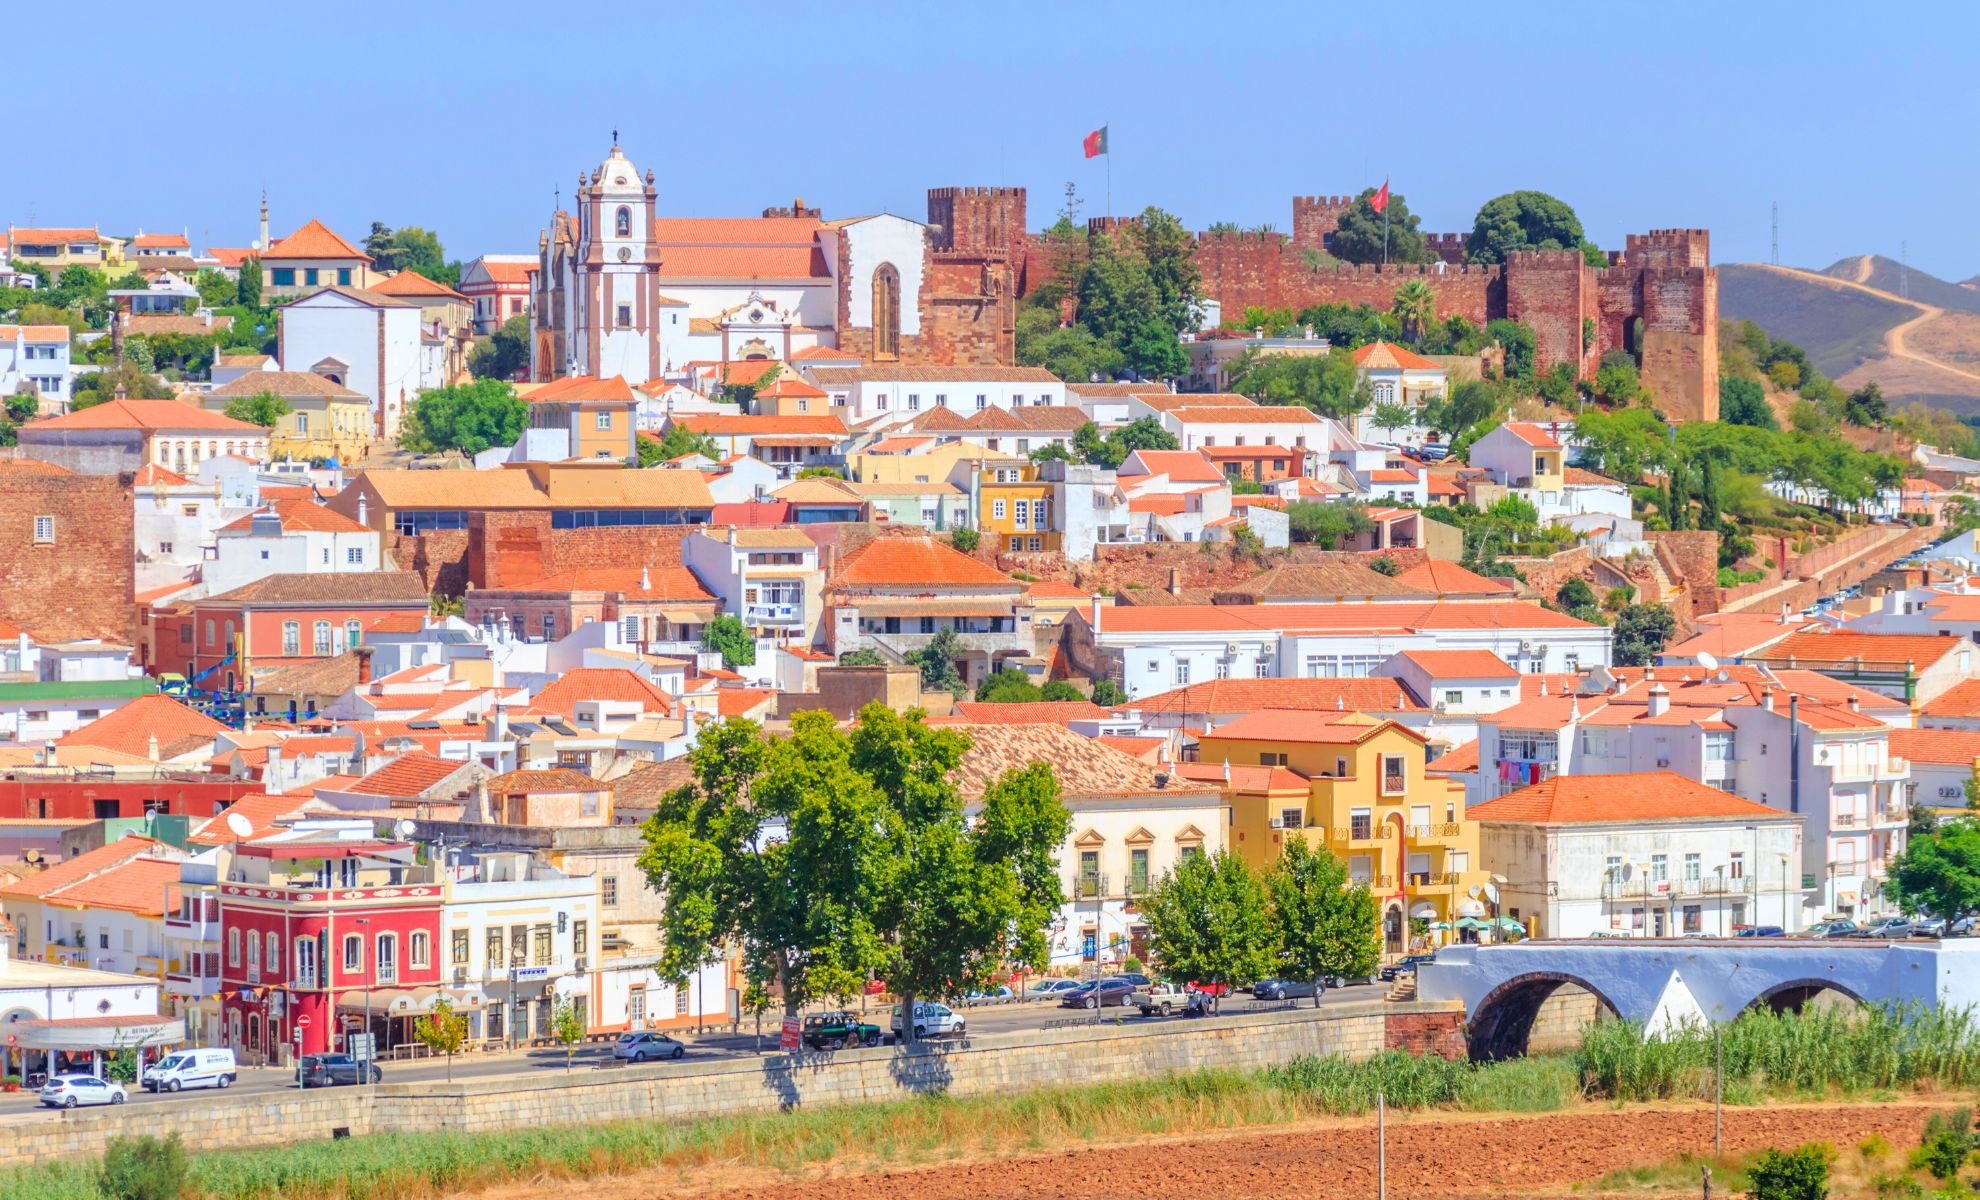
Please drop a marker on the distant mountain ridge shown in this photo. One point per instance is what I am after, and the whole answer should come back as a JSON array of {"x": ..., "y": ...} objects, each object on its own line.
[{"x": 1868, "y": 318}]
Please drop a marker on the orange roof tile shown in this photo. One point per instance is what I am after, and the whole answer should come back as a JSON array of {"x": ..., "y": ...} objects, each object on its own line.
[
  {"x": 39, "y": 237},
  {"x": 1379, "y": 356},
  {"x": 413, "y": 284},
  {"x": 1264, "y": 414},
  {"x": 1652, "y": 796},
  {"x": 1241, "y": 777},
  {"x": 823, "y": 354},
  {"x": 71, "y": 871},
  {"x": 1181, "y": 466},
  {"x": 742, "y": 702},
  {"x": 153, "y": 475},
  {"x": 1299, "y": 725},
  {"x": 791, "y": 387},
  {"x": 1166, "y": 504},
  {"x": 146, "y": 415},
  {"x": 1147, "y": 749},
  {"x": 314, "y": 240},
  {"x": 725, "y": 424},
  {"x": 406, "y": 776},
  {"x": 910, "y": 562},
  {"x": 1048, "y": 712},
  {"x": 259, "y": 809},
  {"x": 1884, "y": 649},
  {"x": 139, "y": 885},
  {"x": 1248, "y": 695},
  {"x": 1458, "y": 758},
  {"x": 600, "y": 683},
  {"x": 1461, "y": 664},
  {"x": 578, "y": 389},
  {"x": 1947, "y": 747},
  {"x": 1534, "y": 434},
  {"x": 160, "y": 241},
  {"x": 1959, "y": 700},
  {"x": 635, "y": 583},
  {"x": 129, "y": 728},
  {"x": 1449, "y": 579},
  {"x": 299, "y": 516},
  {"x": 1352, "y": 617}
]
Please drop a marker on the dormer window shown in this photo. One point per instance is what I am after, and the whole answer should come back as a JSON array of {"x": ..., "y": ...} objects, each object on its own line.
[{"x": 623, "y": 225}]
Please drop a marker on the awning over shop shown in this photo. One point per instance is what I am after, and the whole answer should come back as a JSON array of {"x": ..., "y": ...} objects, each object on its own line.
[
  {"x": 408, "y": 1002},
  {"x": 98, "y": 1033}
]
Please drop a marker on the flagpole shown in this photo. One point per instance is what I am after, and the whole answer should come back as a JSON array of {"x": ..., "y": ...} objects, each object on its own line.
[
  {"x": 1109, "y": 135},
  {"x": 1385, "y": 221}
]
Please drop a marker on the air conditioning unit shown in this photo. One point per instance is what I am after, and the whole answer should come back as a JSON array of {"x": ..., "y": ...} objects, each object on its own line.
[
  {"x": 460, "y": 976},
  {"x": 581, "y": 964},
  {"x": 1278, "y": 822}
]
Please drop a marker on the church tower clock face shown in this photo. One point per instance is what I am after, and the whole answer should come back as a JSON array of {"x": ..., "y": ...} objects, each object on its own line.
[{"x": 625, "y": 253}]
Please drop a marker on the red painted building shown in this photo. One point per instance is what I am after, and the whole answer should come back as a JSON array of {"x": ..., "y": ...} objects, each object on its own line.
[
  {"x": 317, "y": 929},
  {"x": 282, "y": 620},
  {"x": 93, "y": 800}
]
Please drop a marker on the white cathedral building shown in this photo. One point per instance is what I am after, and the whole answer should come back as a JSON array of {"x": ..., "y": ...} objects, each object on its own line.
[{"x": 623, "y": 291}]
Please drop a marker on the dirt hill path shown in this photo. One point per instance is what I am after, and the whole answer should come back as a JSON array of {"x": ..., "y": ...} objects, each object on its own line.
[{"x": 1894, "y": 344}]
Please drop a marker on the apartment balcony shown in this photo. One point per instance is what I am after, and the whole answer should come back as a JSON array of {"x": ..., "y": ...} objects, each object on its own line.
[
  {"x": 1090, "y": 887},
  {"x": 773, "y": 614},
  {"x": 1635, "y": 889},
  {"x": 196, "y": 986},
  {"x": 1431, "y": 879},
  {"x": 1446, "y": 832},
  {"x": 1356, "y": 835},
  {"x": 200, "y": 929}
]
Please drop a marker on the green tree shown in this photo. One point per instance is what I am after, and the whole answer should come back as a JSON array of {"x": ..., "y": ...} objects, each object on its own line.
[
  {"x": 1469, "y": 404},
  {"x": 820, "y": 473},
  {"x": 1384, "y": 565},
  {"x": 862, "y": 658},
  {"x": 1624, "y": 444},
  {"x": 1574, "y": 594},
  {"x": 262, "y": 408},
  {"x": 1744, "y": 402},
  {"x": 1415, "y": 308},
  {"x": 1108, "y": 694},
  {"x": 247, "y": 290},
  {"x": 1359, "y": 237},
  {"x": 1522, "y": 220},
  {"x": 409, "y": 248},
  {"x": 1615, "y": 378},
  {"x": 23, "y": 405},
  {"x": 504, "y": 354},
  {"x": 1390, "y": 417},
  {"x": 94, "y": 387},
  {"x": 1939, "y": 873},
  {"x": 965, "y": 539},
  {"x": 1059, "y": 691},
  {"x": 1323, "y": 927},
  {"x": 1641, "y": 633},
  {"x": 1558, "y": 386},
  {"x": 215, "y": 289},
  {"x": 568, "y": 1026},
  {"x": 1008, "y": 686},
  {"x": 1209, "y": 921},
  {"x": 675, "y": 441},
  {"x": 469, "y": 417},
  {"x": 1867, "y": 407},
  {"x": 1169, "y": 253},
  {"x": 442, "y": 1031},
  {"x": 727, "y": 634},
  {"x": 1790, "y": 1174},
  {"x": 937, "y": 662},
  {"x": 1326, "y": 383},
  {"x": 1516, "y": 339},
  {"x": 1327, "y": 525},
  {"x": 142, "y": 1167},
  {"x": 798, "y": 909},
  {"x": 1070, "y": 351}
]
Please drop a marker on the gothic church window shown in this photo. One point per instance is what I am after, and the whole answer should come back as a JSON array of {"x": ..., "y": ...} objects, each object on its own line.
[{"x": 887, "y": 312}]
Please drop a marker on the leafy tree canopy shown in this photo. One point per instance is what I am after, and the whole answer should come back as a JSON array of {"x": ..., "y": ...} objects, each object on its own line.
[
  {"x": 1327, "y": 525},
  {"x": 1209, "y": 921},
  {"x": 1939, "y": 872},
  {"x": 1321, "y": 926},
  {"x": 1359, "y": 237},
  {"x": 504, "y": 354},
  {"x": 468, "y": 417},
  {"x": 673, "y": 442},
  {"x": 1325, "y": 383},
  {"x": 1641, "y": 633},
  {"x": 1523, "y": 220},
  {"x": 727, "y": 634},
  {"x": 263, "y": 409}
]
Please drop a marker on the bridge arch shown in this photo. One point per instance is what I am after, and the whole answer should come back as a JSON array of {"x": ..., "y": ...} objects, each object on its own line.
[
  {"x": 1793, "y": 995},
  {"x": 1504, "y": 1024}
]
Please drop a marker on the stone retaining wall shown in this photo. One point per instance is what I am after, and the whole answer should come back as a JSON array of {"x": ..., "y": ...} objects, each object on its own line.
[{"x": 1010, "y": 1063}]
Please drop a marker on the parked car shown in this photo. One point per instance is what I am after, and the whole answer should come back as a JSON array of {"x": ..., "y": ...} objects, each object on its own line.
[
  {"x": 1406, "y": 965},
  {"x": 1285, "y": 989},
  {"x": 1885, "y": 927},
  {"x": 1100, "y": 993},
  {"x": 1760, "y": 931},
  {"x": 1051, "y": 988},
  {"x": 329, "y": 1070},
  {"x": 838, "y": 1031},
  {"x": 1211, "y": 989},
  {"x": 1159, "y": 999},
  {"x": 1134, "y": 977},
  {"x": 1834, "y": 927},
  {"x": 73, "y": 1091},
  {"x": 931, "y": 1019},
  {"x": 643, "y": 1044},
  {"x": 1939, "y": 927},
  {"x": 996, "y": 993},
  {"x": 212, "y": 1067}
]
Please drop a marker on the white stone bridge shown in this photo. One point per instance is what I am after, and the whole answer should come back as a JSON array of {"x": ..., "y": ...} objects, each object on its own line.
[{"x": 1662, "y": 981}]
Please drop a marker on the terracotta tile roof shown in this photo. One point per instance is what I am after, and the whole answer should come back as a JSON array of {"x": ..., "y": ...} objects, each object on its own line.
[
  {"x": 1391, "y": 615},
  {"x": 156, "y": 323},
  {"x": 742, "y": 702},
  {"x": 1084, "y": 767},
  {"x": 899, "y": 445},
  {"x": 314, "y": 240},
  {"x": 30, "y": 466},
  {"x": 71, "y": 871},
  {"x": 1265, "y": 414},
  {"x": 1300, "y": 725},
  {"x": 160, "y": 241},
  {"x": 149, "y": 596},
  {"x": 661, "y": 583},
  {"x": 992, "y": 419},
  {"x": 1162, "y": 400},
  {"x": 509, "y": 268},
  {"x": 742, "y": 262},
  {"x": 823, "y": 354},
  {"x": 1051, "y": 418},
  {"x": 1053, "y": 712},
  {"x": 910, "y": 562},
  {"x": 724, "y": 424},
  {"x": 758, "y": 514},
  {"x": 38, "y": 334},
  {"x": 1873, "y": 649},
  {"x": 579, "y": 389},
  {"x": 1458, "y": 758},
  {"x": 1103, "y": 390},
  {"x": 1448, "y": 579},
  {"x": 1245, "y": 777},
  {"x": 1250, "y": 695},
  {"x": 260, "y": 810},
  {"x": 231, "y": 256},
  {"x": 1582, "y": 477},
  {"x": 331, "y": 676},
  {"x": 1652, "y": 796},
  {"x": 1554, "y": 683},
  {"x": 1381, "y": 356},
  {"x": 1386, "y": 475},
  {"x": 1332, "y": 580},
  {"x": 1461, "y": 664},
  {"x": 406, "y": 776},
  {"x": 1146, "y": 749},
  {"x": 939, "y": 419},
  {"x": 564, "y": 693},
  {"x": 299, "y": 516},
  {"x": 1167, "y": 504},
  {"x": 790, "y": 387},
  {"x": 1727, "y": 636},
  {"x": 773, "y": 539},
  {"x": 555, "y": 779},
  {"x": 1533, "y": 434},
  {"x": 644, "y": 785},
  {"x": 1249, "y": 453},
  {"x": 41, "y": 237},
  {"x": 413, "y": 284},
  {"x": 1181, "y": 466},
  {"x": 147, "y": 415},
  {"x": 129, "y": 728},
  {"x": 140, "y": 885},
  {"x": 816, "y": 490},
  {"x": 153, "y": 475},
  {"x": 364, "y": 587},
  {"x": 1959, "y": 700},
  {"x": 1947, "y": 747},
  {"x": 298, "y": 384}
]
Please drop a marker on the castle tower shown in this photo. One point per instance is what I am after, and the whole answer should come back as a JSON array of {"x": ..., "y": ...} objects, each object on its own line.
[{"x": 614, "y": 319}]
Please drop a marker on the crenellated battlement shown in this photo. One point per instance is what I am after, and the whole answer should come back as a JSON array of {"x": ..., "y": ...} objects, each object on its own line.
[
  {"x": 1257, "y": 237},
  {"x": 954, "y": 193},
  {"x": 1322, "y": 201}
]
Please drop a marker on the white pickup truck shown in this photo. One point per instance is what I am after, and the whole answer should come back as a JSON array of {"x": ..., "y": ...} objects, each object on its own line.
[{"x": 1159, "y": 999}]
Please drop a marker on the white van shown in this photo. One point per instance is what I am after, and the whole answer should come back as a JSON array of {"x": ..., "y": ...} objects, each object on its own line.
[{"x": 192, "y": 1069}]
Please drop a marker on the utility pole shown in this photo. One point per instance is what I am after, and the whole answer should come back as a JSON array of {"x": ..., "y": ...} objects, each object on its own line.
[{"x": 1381, "y": 1148}]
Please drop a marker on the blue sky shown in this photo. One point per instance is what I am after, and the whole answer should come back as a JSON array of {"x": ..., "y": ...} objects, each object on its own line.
[{"x": 1859, "y": 120}]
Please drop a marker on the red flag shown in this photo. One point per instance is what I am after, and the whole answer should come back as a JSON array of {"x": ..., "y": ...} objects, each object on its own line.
[
  {"x": 1378, "y": 202},
  {"x": 1095, "y": 143}
]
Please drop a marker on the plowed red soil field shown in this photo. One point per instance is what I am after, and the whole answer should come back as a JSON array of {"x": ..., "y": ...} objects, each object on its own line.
[{"x": 1437, "y": 1156}]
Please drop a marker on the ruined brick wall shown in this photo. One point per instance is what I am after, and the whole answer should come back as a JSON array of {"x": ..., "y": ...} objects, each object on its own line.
[
  {"x": 1553, "y": 291},
  {"x": 1664, "y": 279},
  {"x": 79, "y": 583},
  {"x": 1426, "y": 1033},
  {"x": 438, "y": 558},
  {"x": 1240, "y": 270},
  {"x": 510, "y": 549},
  {"x": 1690, "y": 557},
  {"x": 1544, "y": 576}
]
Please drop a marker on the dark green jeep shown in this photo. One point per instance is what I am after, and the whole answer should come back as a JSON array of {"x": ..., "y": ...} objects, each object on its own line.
[{"x": 838, "y": 1031}]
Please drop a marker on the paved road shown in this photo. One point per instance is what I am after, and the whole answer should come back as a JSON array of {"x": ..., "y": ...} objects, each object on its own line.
[{"x": 987, "y": 1023}]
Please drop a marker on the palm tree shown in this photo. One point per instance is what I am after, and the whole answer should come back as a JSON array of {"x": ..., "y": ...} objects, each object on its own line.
[{"x": 1415, "y": 307}]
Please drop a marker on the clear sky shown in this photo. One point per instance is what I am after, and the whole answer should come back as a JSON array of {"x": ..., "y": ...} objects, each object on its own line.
[{"x": 1859, "y": 119}]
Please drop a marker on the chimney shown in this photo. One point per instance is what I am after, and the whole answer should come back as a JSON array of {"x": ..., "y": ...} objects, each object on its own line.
[
  {"x": 1660, "y": 700},
  {"x": 151, "y": 748},
  {"x": 1855, "y": 705},
  {"x": 271, "y": 775},
  {"x": 1767, "y": 698},
  {"x": 364, "y": 664},
  {"x": 501, "y": 730},
  {"x": 1096, "y": 614},
  {"x": 1175, "y": 581},
  {"x": 363, "y": 517},
  {"x": 1785, "y": 610}
]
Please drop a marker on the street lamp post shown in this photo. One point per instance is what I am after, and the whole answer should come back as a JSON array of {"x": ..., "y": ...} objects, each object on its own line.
[{"x": 364, "y": 961}]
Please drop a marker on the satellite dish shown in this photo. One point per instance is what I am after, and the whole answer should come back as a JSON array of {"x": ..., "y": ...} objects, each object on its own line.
[
  {"x": 404, "y": 829},
  {"x": 1472, "y": 891},
  {"x": 1706, "y": 660},
  {"x": 239, "y": 825},
  {"x": 1492, "y": 892},
  {"x": 1628, "y": 870}
]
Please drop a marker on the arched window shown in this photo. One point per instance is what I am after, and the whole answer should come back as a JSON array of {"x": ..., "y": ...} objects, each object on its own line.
[
  {"x": 887, "y": 312},
  {"x": 623, "y": 226},
  {"x": 274, "y": 951}
]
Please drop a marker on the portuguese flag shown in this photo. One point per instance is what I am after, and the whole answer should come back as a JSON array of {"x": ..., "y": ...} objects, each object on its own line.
[{"x": 1095, "y": 143}]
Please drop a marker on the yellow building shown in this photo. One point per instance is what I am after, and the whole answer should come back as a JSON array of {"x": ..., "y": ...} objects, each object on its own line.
[
  {"x": 325, "y": 419},
  {"x": 898, "y": 459},
  {"x": 597, "y": 416},
  {"x": 310, "y": 259},
  {"x": 1014, "y": 507},
  {"x": 1355, "y": 784}
]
